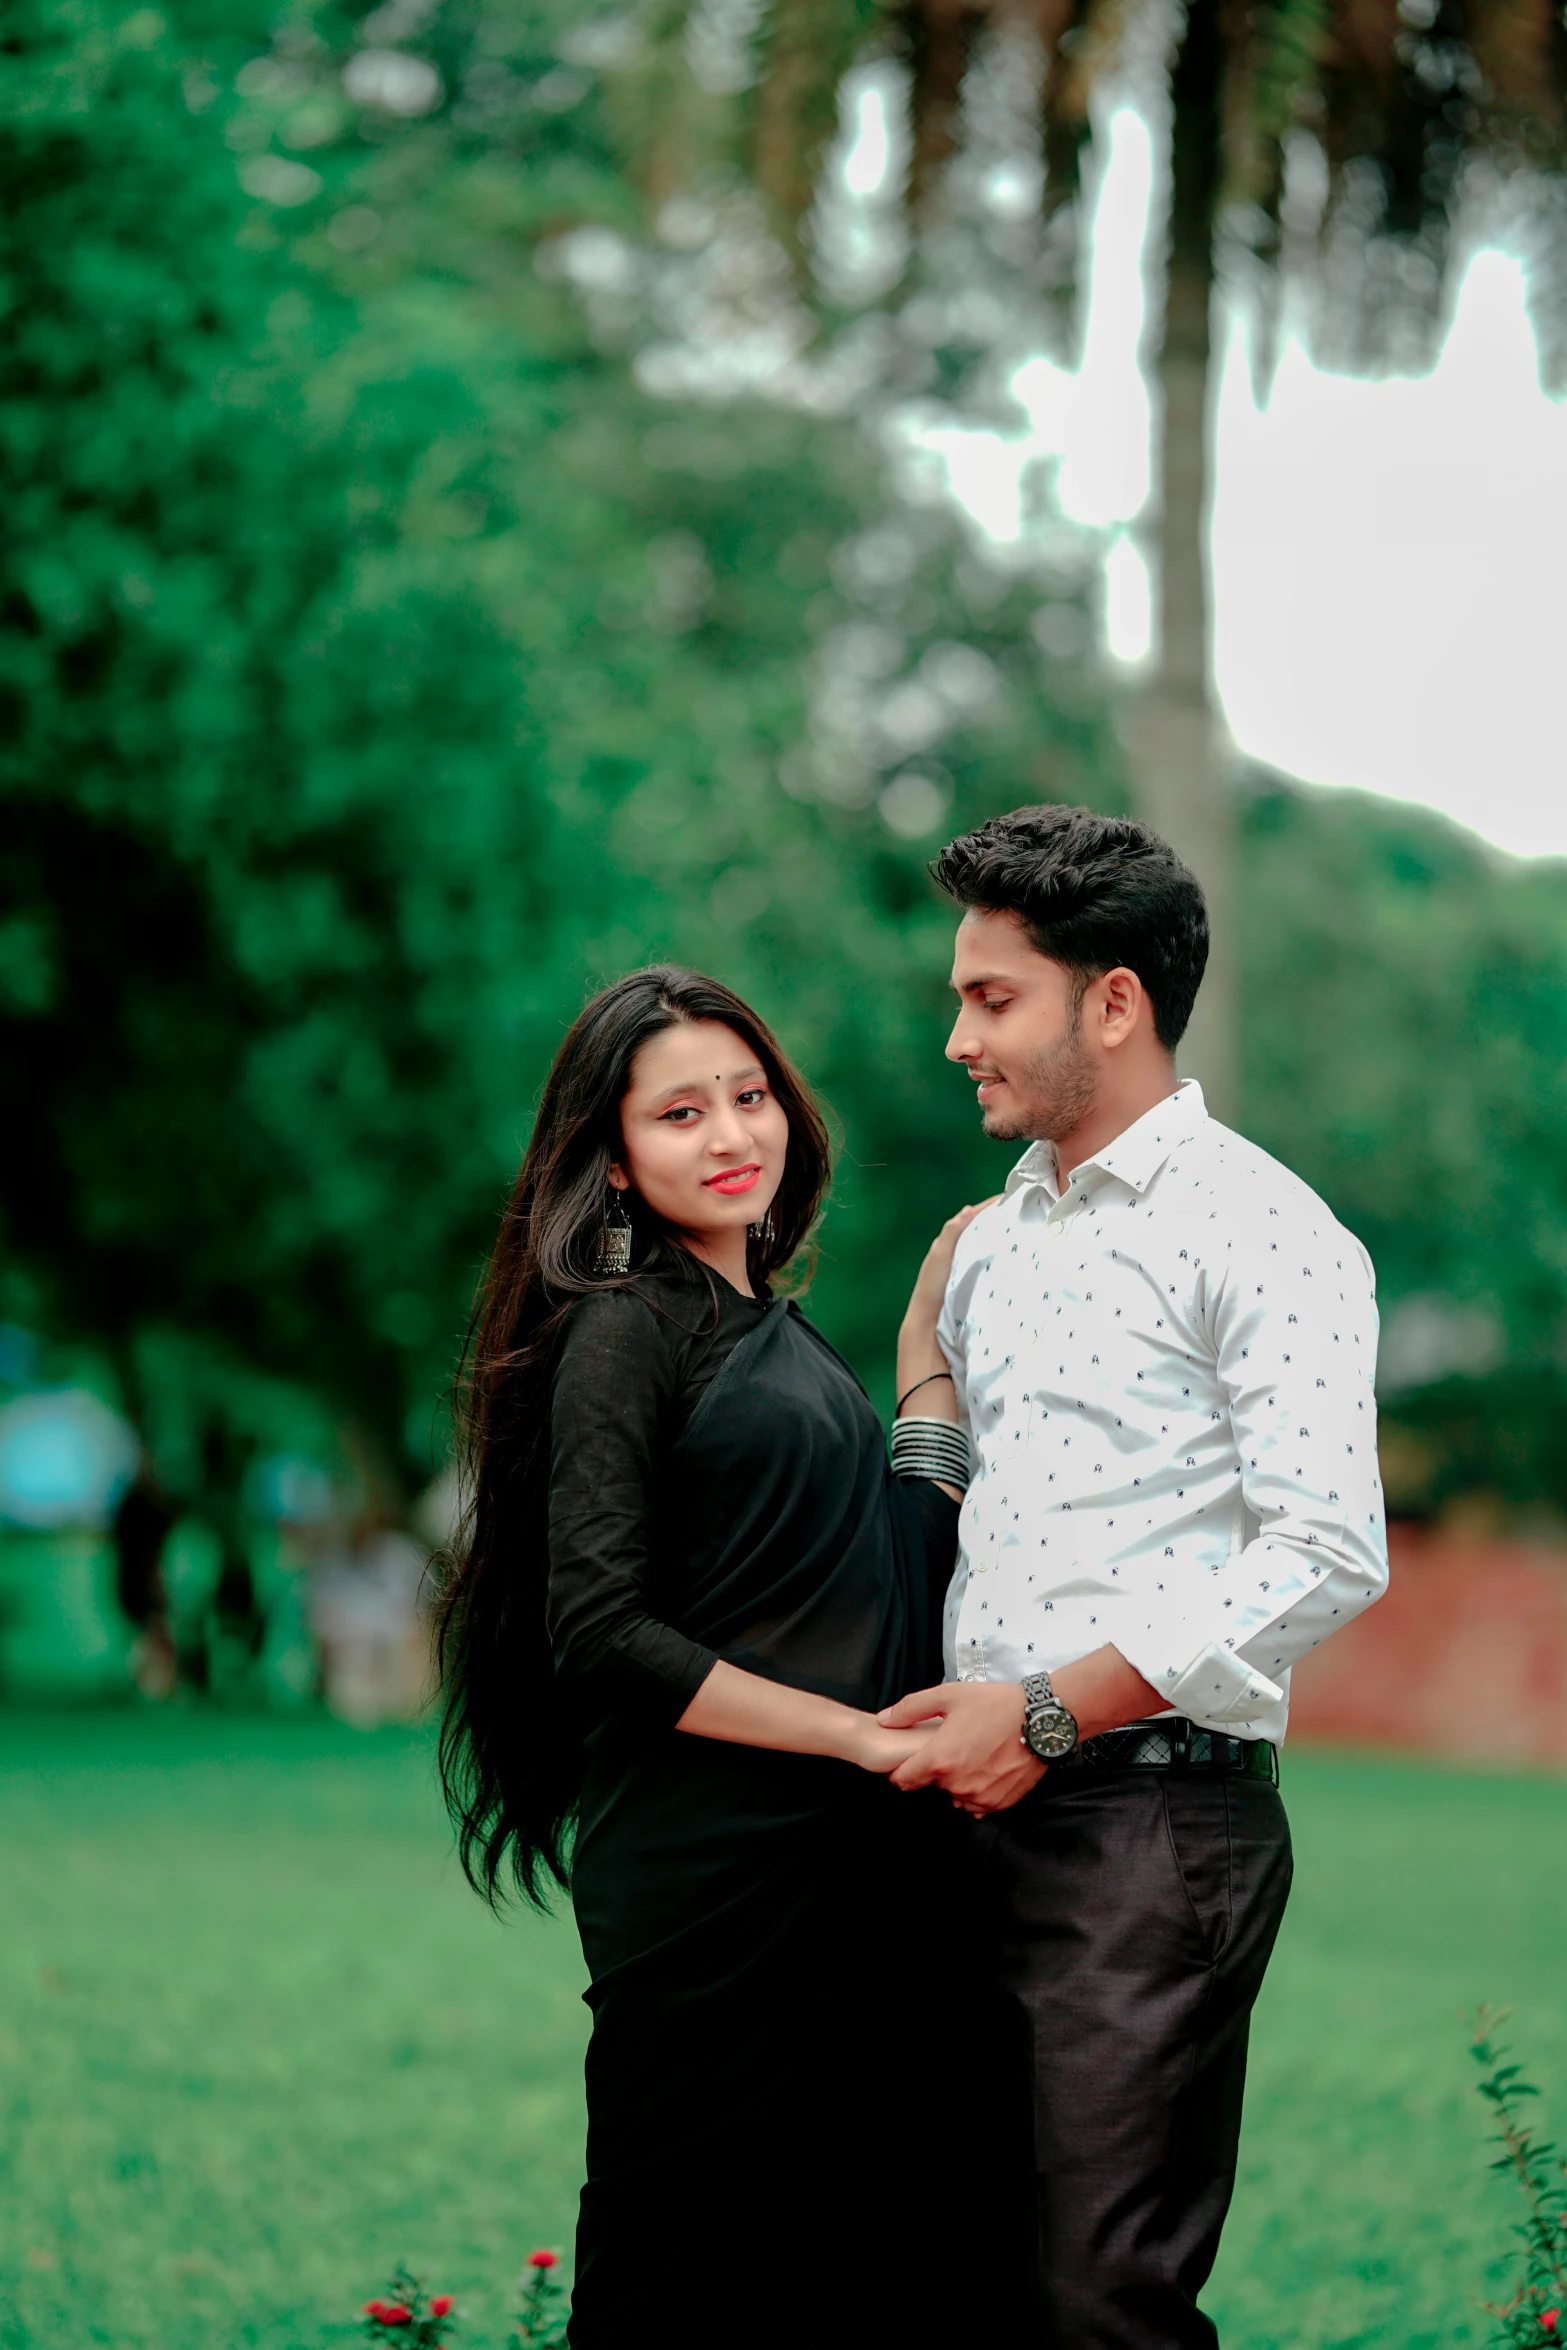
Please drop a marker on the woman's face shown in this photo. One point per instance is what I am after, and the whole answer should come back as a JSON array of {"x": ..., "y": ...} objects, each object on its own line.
[{"x": 703, "y": 1135}]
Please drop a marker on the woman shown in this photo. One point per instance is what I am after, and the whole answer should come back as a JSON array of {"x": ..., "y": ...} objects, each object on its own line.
[{"x": 688, "y": 1586}]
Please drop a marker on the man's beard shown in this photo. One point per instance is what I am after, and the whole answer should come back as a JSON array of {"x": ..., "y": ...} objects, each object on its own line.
[{"x": 1056, "y": 1091}]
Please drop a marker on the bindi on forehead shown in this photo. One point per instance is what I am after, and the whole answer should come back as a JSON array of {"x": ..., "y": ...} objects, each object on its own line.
[{"x": 752, "y": 1074}]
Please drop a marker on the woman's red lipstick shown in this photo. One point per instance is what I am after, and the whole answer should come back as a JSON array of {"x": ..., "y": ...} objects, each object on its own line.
[{"x": 733, "y": 1179}]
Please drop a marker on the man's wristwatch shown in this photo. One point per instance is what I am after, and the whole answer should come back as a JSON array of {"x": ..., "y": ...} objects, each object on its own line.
[{"x": 1048, "y": 1729}]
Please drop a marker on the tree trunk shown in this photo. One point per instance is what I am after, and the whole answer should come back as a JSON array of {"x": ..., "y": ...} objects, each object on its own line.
[{"x": 1177, "y": 756}]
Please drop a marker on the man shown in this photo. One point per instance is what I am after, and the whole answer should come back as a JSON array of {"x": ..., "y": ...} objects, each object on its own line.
[{"x": 1161, "y": 1346}]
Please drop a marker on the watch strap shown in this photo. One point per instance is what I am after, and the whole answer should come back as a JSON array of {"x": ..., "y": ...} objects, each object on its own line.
[{"x": 1042, "y": 1708}]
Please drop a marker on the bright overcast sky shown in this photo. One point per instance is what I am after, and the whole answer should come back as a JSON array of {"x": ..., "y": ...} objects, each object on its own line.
[{"x": 1389, "y": 557}]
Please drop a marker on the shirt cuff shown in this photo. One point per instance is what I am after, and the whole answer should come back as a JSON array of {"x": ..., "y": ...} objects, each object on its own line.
[{"x": 1216, "y": 1687}]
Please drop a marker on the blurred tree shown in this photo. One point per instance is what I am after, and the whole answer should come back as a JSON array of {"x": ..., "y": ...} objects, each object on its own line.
[
  {"x": 409, "y": 624},
  {"x": 383, "y": 668},
  {"x": 1330, "y": 140},
  {"x": 214, "y": 963},
  {"x": 1405, "y": 1048}
]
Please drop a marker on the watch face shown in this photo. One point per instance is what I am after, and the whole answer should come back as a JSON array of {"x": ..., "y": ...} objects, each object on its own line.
[{"x": 1051, "y": 1732}]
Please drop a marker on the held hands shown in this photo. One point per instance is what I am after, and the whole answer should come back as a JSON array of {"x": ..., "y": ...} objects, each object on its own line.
[
  {"x": 972, "y": 1731},
  {"x": 974, "y": 1750}
]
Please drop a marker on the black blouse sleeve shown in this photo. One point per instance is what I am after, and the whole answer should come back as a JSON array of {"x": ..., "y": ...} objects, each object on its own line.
[{"x": 612, "y": 1410}]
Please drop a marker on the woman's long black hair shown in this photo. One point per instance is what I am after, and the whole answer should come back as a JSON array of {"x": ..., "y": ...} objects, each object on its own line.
[{"x": 509, "y": 1754}]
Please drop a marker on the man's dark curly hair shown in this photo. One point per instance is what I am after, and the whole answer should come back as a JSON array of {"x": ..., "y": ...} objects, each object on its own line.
[{"x": 1093, "y": 892}]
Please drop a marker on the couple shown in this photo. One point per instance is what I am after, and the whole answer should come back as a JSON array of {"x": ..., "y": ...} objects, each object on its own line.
[{"x": 926, "y": 1864}]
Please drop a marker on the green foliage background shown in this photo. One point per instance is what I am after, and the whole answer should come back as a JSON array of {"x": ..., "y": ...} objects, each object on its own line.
[{"x": 382, "y": 669}]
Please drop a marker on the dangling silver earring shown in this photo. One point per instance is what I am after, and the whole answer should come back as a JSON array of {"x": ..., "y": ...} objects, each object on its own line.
[
  {"x": 615, "y": 1240},
  {"x": 762, "y": 1233}
]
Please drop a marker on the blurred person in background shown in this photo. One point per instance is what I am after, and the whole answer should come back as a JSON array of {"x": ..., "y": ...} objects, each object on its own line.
[
  {"x": 219, "y": 1640},
  {"x": 689, "y": 1580},
  {"x": 365, "y": 1586},
  {"x": 185, "y": 1578},
  {"x": 140, "y": 1528},
  {"x": 1161, "y": 1346}
]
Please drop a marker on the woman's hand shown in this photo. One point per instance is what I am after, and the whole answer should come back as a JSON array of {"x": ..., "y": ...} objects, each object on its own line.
[
  {"x": 930, "y": 1286},
  {"x": 746, "y": 1710},
  {"x": 920, "y": 1359},
  {"x": 883, "y": 1751}
]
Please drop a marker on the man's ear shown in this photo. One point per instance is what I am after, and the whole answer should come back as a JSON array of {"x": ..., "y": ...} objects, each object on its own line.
[{"x": 1123, "y": 998}]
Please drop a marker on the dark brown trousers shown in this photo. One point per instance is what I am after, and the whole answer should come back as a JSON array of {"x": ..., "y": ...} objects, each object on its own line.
[{"x": 1136, "y": 1911}]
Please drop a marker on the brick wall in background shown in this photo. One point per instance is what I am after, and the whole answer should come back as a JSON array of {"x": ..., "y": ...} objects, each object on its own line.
[{"x": 1465, "y": 1655}]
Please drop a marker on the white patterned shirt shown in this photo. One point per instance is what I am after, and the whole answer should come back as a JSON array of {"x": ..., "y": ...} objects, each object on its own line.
[{"x": 1166, "y": 1375}]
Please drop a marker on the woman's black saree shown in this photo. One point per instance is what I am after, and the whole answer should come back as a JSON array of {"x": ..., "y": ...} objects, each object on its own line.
[{"x": 793, "y": 2133}]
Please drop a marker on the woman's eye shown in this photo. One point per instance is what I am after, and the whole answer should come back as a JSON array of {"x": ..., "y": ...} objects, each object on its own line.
[
  {"x": 751, "y": 1095},
  {"x": 684, "y": 1111}
]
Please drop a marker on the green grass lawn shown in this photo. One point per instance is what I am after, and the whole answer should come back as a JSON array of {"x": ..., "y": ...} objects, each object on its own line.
[{"x": 259, "y": 2043}]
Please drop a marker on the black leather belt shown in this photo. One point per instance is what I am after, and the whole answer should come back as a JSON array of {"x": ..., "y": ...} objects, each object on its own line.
[{"x": 1176, "y": 1745}]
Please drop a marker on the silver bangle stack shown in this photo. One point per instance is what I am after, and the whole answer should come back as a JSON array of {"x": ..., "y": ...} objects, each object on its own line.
[{"x": 930, "y": 1448}]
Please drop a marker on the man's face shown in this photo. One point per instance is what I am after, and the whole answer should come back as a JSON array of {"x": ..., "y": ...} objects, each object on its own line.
[{"x": 1019, "y": 1033}]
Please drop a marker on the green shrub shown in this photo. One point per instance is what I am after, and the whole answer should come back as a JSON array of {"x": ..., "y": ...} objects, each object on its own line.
[{"x": 1534, "y": 2318}]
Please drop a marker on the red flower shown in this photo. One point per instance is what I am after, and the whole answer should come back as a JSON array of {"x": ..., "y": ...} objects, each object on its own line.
[
  {"x": 374, "y": 2308},
  {"x": 543, "y": 2260},
  {"x": 1548, "y": 2318},
  {"x": 440, "y": 2305},
  {"x": 395, "y": 2313}
]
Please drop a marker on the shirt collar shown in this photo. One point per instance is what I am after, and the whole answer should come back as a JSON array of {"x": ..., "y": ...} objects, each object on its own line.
[{"x": 1135, "y": 1155}]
